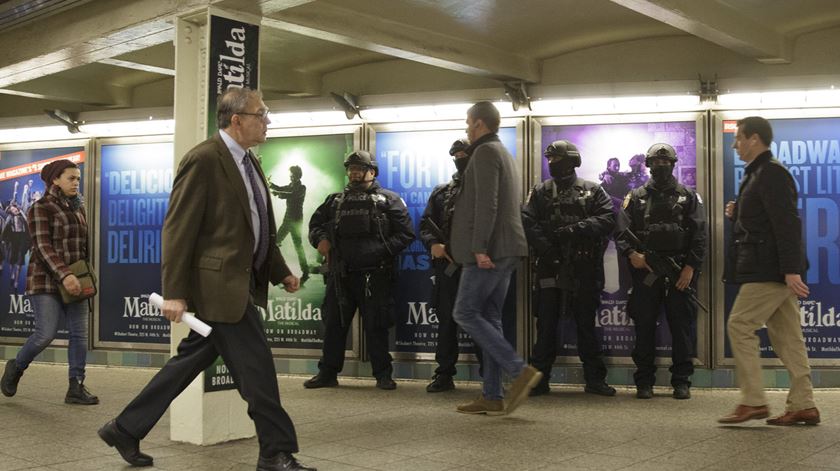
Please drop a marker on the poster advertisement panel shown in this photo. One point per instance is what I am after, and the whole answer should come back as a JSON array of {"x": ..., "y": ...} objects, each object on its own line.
[
  {"x": 412, "y": 163},
  {"x": 810, "y": 149},
  {"x": 135, "y": 180},
  {"x": 613, "y": 155},
  {"x": 20, "y": 186},
  {"x": 302, "y": 171}
]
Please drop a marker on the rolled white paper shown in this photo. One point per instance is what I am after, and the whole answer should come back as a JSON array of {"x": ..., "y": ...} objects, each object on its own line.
[{"x": 189, "y": 318}]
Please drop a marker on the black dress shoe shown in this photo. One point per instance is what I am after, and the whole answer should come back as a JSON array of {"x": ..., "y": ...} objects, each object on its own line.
[
  {"x": 644, "y": 392},
  {"x": 601, "y": 389},
  {"x": 281, "y": 462},
  {"x": 682, "y": 391},
  {"x": 128, "y": 446},
  {"x": 441, "y": 383},
  {"x": 11, "y": 378},
  {"x": 386, "y": 383},
  {"x": 321, "y": 380}
]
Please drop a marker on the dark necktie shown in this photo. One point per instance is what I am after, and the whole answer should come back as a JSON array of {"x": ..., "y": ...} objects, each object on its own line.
[{"x": 262, "y": 245}]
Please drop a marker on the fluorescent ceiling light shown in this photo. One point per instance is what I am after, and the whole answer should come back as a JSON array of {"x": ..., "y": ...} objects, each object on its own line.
[
  {"x": 43, "y": 133},
  {"x": 130, "y": 128}
]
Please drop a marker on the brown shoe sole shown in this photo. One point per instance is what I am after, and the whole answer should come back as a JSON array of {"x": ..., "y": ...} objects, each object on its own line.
[
  {"x": 755, "y": 416},
  {"x": 479, "y": 412},
  {"x": 813, "y": 421}
]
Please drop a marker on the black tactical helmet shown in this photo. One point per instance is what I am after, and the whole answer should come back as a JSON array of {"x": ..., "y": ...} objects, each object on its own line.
[
  {"x": 458, "y": 146},
  {"x": 563, "y": 149},
  {"x": 660, "y": 151},
  {"x": 361, "y": 157}
]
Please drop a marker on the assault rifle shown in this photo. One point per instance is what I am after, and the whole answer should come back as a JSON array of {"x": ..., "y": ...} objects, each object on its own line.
[
  {"x": 663, "y": 266},
  {"x": 436, "y": 231}
]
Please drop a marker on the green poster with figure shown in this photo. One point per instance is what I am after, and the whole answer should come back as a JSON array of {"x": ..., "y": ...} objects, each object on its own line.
[{"x": 301, "y": 172}]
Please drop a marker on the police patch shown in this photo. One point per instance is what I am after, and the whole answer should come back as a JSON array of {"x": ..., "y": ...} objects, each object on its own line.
[{"x": 626, "y": 201}]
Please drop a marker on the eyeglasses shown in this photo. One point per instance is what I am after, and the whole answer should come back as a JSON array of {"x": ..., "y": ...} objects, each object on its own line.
[{"x": 262, "y": 114}]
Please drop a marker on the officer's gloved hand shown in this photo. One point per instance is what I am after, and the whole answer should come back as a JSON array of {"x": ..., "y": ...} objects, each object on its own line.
[{"x": 551, "y": 255}]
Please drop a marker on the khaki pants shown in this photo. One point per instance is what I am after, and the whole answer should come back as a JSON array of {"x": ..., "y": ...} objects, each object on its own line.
[{"x": 774, "y": 305}]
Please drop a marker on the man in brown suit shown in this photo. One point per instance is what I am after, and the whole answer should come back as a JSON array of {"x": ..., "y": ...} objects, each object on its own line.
[{"x": 219, "y": 255}]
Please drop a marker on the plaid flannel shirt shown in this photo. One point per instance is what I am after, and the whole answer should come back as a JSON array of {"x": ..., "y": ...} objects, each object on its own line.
[{"x": 59, "y": 238}]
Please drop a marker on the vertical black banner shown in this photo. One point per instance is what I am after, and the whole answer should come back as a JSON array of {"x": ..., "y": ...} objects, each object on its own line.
[{"x": 233, "y": 62}]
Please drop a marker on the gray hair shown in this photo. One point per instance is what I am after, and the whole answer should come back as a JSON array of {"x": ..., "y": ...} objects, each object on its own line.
[{"x": 232, "y": 101}]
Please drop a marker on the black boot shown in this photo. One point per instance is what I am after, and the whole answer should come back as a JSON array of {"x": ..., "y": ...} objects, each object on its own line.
[
  {"x": 77, "y": 393},
  {"x": 386, "y": 383},
  {"x": 321, "y": 380},
  {"x": 601, "y": 389},
  {"x": 11, "y": 377},
  {"x": 281, "y": 462},
  {"x": 542, "y": 387},
  {"x": 440, "y": 383}
]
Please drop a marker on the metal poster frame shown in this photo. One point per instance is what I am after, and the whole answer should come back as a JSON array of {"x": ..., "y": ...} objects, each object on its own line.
[
  {"x": 520, "y": 124},
  {"x": 128, "y": 140},
  {"x": 717, "y": 205},
  {"x": 356, "y": 130},
  {"x": 89, "y": 189},
  {"x": 699, "y": 117}
]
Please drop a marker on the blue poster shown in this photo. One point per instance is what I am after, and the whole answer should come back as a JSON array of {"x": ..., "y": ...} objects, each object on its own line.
[
  {"x": 20, "y": 186},
  {"x": 412, "y": 163},
  {"x": 810, "y": 149},
  {"x": 135, "y": 183},
  {"x": 613, "y": 155}
]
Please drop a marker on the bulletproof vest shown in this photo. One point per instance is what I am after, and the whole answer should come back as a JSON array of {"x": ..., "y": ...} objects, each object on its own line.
[
  {"x": 358, "y": 215},
  {"x": 661, "y": 216},
  {"x": 449, "y": 194},
  {"x": 568, "y": 206}
]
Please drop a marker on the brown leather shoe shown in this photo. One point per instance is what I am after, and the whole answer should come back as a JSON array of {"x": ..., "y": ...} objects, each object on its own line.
[
  {"x": 482, "y": 406},
  {"x": 805, "y": 416},
  {"x": 744, "y": 413}
]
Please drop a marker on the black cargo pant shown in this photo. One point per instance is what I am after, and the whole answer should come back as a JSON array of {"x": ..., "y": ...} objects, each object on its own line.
[
  {"x": 644, "y": 307},
  {"x": 370, "y": 293},
  {"x": 582, "y": 306}
]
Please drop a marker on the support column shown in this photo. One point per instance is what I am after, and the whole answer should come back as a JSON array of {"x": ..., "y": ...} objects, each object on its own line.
[{"x": 213, "y": 49}]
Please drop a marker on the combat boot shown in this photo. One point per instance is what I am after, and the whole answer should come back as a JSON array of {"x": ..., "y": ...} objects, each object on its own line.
[
  {"x": 440, "y": 383},
  {"x": 321, "y": 380},
  {"x": 11, "y": 378},
  {"x": 77, "y": 393}
]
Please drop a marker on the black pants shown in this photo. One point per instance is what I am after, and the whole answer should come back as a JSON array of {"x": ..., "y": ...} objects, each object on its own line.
[
  {"x": 370, "y": 293},
  {"x": 582, "y": 306},
  {"x": 247, "y": 356},
  {"x": 644, "y": 306},
  {"x": 443, "y": 299}
]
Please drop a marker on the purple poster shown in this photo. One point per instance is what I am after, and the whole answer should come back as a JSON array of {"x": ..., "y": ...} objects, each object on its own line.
[{"x": 614, "y": 156}]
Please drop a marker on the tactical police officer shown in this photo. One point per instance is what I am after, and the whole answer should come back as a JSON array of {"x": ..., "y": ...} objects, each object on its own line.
[
  {"x": 669, "y": 221},
  {"x": 359, "y": 231},
  {"x": 435, "y": 227},
  {"x": 567, "y": 221}
]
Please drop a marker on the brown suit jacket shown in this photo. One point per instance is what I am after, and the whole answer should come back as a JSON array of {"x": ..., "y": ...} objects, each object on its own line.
[{"x": 208, "y": 241}]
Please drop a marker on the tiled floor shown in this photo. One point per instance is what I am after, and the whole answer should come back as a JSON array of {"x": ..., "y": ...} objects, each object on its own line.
[{"x": 356, "y": 427}]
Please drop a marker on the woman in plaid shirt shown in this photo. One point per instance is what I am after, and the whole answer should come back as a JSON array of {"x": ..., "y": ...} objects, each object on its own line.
[{"x": 58, "y": 225}]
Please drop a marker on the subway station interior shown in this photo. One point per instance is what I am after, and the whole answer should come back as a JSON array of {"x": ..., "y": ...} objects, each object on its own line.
[{"x": 124, "y": 88}]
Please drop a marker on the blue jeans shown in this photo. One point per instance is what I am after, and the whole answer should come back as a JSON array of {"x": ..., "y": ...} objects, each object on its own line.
[
  {"x": 48, "y": 309},
  {"x": 478, "y": 310}
]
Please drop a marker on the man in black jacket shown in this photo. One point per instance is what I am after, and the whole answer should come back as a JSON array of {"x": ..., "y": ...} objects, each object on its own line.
[{"x": 767, "y": 257}]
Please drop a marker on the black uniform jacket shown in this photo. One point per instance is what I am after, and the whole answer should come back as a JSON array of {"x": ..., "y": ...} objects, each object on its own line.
[
  {"x": 371, "y": 251},
  {"x": 598, "y": 223}
]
